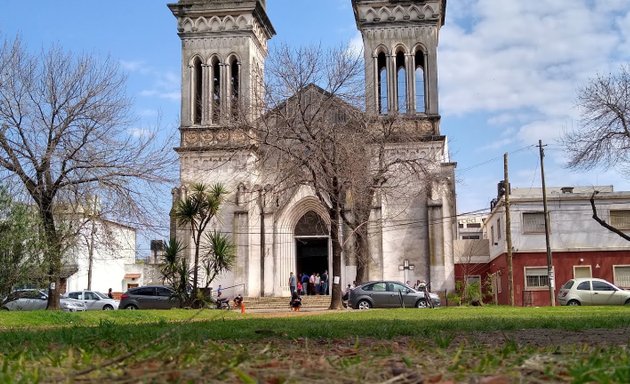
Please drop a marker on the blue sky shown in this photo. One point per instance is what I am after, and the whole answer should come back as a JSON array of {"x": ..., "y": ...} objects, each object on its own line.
[{"x": 509, "y": 70}]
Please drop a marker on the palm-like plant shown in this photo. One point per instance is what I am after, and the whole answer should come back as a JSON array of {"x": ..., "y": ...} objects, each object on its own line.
[
  {"x": 196, "y": 211},
  {"x": 219, "y": 257}
]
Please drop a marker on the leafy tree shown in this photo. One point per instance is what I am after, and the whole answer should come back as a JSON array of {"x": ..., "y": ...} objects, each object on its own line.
[
  {"x": 220, "y": 256},
  {"x": 64, "y": 135},
  {"x": 20, "y": 245}
]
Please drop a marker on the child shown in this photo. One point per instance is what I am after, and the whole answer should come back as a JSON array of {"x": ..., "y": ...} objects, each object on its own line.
[
  {"x": 296, "y": 302},
  {"x": 299, "y": 288}
]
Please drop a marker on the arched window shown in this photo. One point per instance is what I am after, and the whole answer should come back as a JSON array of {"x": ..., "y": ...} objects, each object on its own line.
[
  {"x": 197, "y": 91},
  {"x": 420, "y": 98},
  {"x": 382, "y": 83},
  {"x": 311, "y": 224},
  {"x": 235, "y": 86},
  {"x": 401, "y": 82},
  {"x": 216, "y": 90}
]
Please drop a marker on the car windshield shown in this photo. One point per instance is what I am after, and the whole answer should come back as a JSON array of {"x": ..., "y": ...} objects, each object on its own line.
[{"x": 101, "y": 295}]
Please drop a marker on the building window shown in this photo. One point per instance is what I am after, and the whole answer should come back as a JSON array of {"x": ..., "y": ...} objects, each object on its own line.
[
  {"x": 401, "y": 80},
  {"x": 581, "y": 271},
  {"x": 461, "y": 225},
  {"x": 473, "y": 225},
  {"x": 420, "y": 103},
  {"x": 197, "y": 91},
  {"x": 492, "y": 233},
  {"x": 621, "y": 276},
  {"x": 536, "y": 277},
  {"x": 533, "y": 222},
  {"x": 235, "y": 86},
  {"x": 216, "y": 90},
  {"x": 382, "y": 83},
  {"x": 499, "y": 229},
  {"x": 620, "y": 219},
  {"x": 470, "y": 237}
]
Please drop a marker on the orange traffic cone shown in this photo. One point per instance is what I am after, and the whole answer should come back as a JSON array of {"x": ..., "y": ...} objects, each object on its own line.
[{"x": 242, "y": 307}]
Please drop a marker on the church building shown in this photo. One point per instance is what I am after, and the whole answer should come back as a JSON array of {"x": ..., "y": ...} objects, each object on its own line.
[{"x": 224, "y": 46}]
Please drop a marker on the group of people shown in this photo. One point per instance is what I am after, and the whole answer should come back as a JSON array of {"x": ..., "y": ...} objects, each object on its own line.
[{"x": 313, "y": 284}]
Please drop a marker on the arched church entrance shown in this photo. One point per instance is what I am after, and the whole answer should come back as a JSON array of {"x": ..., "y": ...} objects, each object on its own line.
[{"x": 311, "y": 241}]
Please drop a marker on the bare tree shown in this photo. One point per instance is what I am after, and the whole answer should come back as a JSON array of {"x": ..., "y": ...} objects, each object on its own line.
[
  {"x": 64, "y": 134},
  {"x": 315, "y": 133},
  {"x": 603, "y": 137}
]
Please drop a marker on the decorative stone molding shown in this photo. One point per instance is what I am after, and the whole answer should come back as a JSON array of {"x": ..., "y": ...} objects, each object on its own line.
[
  {"x": 198, "y": 138},
  {"x": 412, "y": 12},
  {"x": 189, "y": 27}
]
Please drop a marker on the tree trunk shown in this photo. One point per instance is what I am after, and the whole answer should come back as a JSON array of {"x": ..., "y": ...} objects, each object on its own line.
[
  {"x": 362, "y": 252},
  {"x": 52, "y": 253},
  {"x": 335, "y": 221}
]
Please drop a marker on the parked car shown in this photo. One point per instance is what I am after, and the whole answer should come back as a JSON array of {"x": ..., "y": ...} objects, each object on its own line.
[
  {"x": 33, "y": 299},
  {"x": 149, "y": 297},
  {"x": 94, "y": 300},
  {"x": 592, "y": 291},
  {"x": 388, "y": 294}
]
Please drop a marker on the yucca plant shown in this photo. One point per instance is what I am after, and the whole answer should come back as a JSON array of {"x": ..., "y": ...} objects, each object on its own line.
[{"x": 196, "y": 210}]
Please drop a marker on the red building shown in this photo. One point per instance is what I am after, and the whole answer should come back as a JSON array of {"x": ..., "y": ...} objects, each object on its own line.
[{"x": 580, "y": 246}]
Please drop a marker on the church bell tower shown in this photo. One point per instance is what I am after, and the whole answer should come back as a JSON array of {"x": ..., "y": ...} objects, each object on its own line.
[
  {"x": 400, "y": 39},
  {"x": 224, "y": 45}
]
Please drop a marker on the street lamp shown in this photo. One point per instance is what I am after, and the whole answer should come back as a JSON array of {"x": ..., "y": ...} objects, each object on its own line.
[{"x": 406, "y": 267}]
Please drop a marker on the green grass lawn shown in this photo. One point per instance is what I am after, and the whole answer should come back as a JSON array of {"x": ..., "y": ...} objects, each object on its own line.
[{"x": 403, "y": 345}]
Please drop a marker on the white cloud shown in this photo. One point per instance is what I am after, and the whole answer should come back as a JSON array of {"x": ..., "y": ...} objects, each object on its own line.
[{"x": 355, "y": 46}]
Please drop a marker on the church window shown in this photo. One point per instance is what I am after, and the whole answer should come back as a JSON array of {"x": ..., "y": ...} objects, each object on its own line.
[
  {"x": 197, "y": 82},
  {"x": 235, "y": 86},
  {"x": 401, "y": 79},
  {"x": 382, "y": 83},
  {"x": 216, "y": 90},
  {"x": 420, "y": 100},
  {"x": 311, "y": 224}
]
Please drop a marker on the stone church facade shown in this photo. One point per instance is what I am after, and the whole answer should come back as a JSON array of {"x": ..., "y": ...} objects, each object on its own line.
[{"x": 224, "y": 46}]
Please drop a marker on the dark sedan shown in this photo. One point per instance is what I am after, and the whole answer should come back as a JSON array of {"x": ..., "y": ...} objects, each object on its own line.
[
  {"x": 149, "y": 297},
  {"x": 389, "y": 294}
]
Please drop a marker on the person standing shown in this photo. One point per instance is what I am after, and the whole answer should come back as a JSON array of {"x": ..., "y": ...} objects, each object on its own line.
[
  {"x": 317, "y": 284},
  {"x": 110, "y": 294},
  {"x": 324, "y": 280},
  {"x": 292, "y": 283},
  {"x": 311, "y": 283},
  {"x": 305, "y": 279}
]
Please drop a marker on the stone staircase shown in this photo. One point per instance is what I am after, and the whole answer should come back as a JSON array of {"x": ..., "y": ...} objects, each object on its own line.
[{"x": 319, "y": 302}]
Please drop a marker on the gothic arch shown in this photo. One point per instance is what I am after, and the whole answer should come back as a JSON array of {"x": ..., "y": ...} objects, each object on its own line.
[
  {"x": 399, "y": 13},
  {"x": 400, "y": 47},
  {"x": 201, "y": 24},
  {"x": 384, "y": 13},
  {"x": 229, "y": 23},
  {"x": 414, "y": 12},
  {"x": 290, "y": 218},
  {"x": 428, "y": 12},
  {"x": 381, "y": 48},
  {"x": 370, "y": 15},
  {"x": 187, "y": 25},
  {"x": 215, "y": 23},
  {"x": 241, "y": 22}
]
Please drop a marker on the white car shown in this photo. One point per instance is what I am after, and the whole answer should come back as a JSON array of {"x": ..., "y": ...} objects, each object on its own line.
[
  {"x": 94, "y": 300},
  {"x": 33, "y": 299},
  {"x": 592, "y": 291}
]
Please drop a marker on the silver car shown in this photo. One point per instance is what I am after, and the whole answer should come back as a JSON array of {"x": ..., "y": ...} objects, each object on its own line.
[
  {"x": 389, "y": 294},
  {"x": 592, "y": 291},
  {"x": 94, "y": 300},
  {"x": 34, "y": 299}
]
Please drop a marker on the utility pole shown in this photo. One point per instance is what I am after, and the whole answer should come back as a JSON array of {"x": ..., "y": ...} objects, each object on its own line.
[
  {"x": 550, "y": 273},
  {"x": 508, "y": 229}
]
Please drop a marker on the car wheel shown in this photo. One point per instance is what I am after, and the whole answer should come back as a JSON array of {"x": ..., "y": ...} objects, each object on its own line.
[
  {"x": 422, "y": 303},
  {"x": 573, "y": 302},
  {"x": 364, "y": 304},
  {"x": 6, "y": 309},
  {"x": 627, "y": 302},
  {"x": 108, "y": 308},
  {"x": 131, "y": 307}
]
